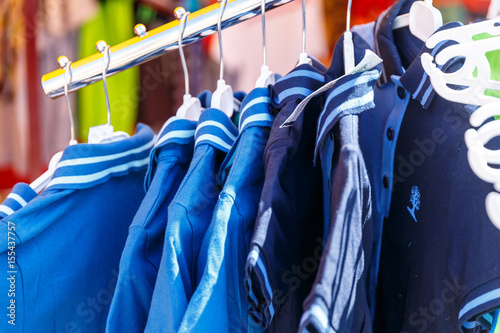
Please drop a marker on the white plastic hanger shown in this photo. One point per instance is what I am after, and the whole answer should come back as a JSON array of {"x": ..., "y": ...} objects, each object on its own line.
[
  {"x": 480, "y": 158},
  {"x": 349, "y": 61},
  {"x": 266, "y": 76},
  {"x": 191, "y": 106},
  {"x": 423, "y": 19},
  {"x": 303, "y": 58},
  {"x": 104, "y": 133},
  {"x": 222, "y": 98},
  {"x": 41, "y": 182},
  {"x": 493, "y": 9},
  {"x": 474, "y": 53},
  {"x": 370, "y": 60}
]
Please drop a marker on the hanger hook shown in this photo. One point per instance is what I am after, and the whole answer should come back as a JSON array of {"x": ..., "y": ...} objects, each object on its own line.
[
  {"x": 104, "y": 49},
  {"x": 65, "y": 64},
  {"x": 182, "y": 15},
  {"x": 219, "y": 30},
  {"x": 348, "y": 18},
  {"x": 303, "y": 26},
  {"x": 264, "y": 53}
]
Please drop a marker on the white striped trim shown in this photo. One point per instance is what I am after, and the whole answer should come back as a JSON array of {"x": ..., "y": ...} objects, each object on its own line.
[
  {"x": 168, "y": 122},
  {"x": 253, "y": 102},
  {"x": 216, "y": 124},
  {"x": 98, "y": 159},
  {"x": 489, "y": 296},
  {"x": 268, "y": 285},
  {"x": 318, "y": 313},
  {"x": 349, "y": 104},
  {"x": 176, "y": 134},
  {"x": 17, "y": 198},
  {"x": 257, "y": 117},
  {"x": 6, "y": 210},
  {"x": 214, "y": 139},
  {"x": 85, "y": 179}
]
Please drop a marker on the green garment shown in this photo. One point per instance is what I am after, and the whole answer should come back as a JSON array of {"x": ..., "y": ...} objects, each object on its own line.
[
  {"x": 114, "y": 24},
  {"x": 494, "y": 60}
]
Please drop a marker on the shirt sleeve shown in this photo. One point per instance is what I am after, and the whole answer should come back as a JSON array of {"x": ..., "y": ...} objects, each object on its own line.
[{"x": 474, "y": 259}]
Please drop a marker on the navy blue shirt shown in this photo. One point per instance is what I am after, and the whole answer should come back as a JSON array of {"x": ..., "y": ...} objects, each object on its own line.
[
  {"x": 189, "y": 216},
  {"x": 289, "y": 222},
  {"x": 338, "y": 300},
  {"x": 141, "y": 256},
  {"x": 437, "y": 270},
  {"x": 69, "y": 238},
  {"x": 226, "y": 244}
]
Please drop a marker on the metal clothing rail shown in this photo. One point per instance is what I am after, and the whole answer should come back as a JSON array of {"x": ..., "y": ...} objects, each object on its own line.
[{"x": 152, "y": 44}]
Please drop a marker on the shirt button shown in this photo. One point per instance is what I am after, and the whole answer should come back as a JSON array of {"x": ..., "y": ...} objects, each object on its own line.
[
  {"x": 385, "y": 181},
  {"x": 401, "y": 92},
  {"x": 390, "y": 133}
]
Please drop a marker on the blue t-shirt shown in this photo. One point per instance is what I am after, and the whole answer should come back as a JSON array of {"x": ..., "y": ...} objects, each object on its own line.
[
  {"x": 189, "y": 216},
  {"x": 219, "y": 303},
  {"x": 69, "y": 238},
  {"x": 140, "y": 260}
]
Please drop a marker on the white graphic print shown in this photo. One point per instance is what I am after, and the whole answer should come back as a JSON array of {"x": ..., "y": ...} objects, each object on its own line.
[{"x": 415, "y": 201}]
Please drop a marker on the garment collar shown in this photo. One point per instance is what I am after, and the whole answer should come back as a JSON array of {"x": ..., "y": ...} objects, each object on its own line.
[
  {"x": 416, "y": 80},
  {"x": 255, "y": 112},
  {"x": 298, "y": 84},
  {"x": 85, "y": 165},
  {"x": 215, "y": 129},
  {"x": 389, "y": 43},
  {"x": 175, "y": 132},
  {"x": 20, "y": 195},
  {"x": 351, "y": 94}
]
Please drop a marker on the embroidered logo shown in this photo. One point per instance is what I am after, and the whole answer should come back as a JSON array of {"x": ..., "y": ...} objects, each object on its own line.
[{"x": 415, "y": 201}]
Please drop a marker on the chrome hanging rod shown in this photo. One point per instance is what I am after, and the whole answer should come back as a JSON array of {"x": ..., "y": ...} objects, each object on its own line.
[{"x": 152, "y": 44}]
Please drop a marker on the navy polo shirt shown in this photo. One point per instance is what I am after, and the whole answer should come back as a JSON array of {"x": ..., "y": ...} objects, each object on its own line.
[
  {"x": 379, "y": 128},
  {"x": 140, "y": 260},
  {"x": 227, "y": 242},
  {"x": 189, "y": 216},
  {"x": 436, "y": 271},
  {"x": 290, "y": 217},
  {"x": 338, "y": 300},
  {"x": 69, "y": 238}
]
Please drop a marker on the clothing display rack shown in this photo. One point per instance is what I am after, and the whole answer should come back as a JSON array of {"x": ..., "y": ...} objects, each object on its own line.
[{"x": 149, "y": 45}]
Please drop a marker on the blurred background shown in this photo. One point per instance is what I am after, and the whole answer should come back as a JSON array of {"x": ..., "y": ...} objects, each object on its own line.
[{"x": 33, "y": 33}]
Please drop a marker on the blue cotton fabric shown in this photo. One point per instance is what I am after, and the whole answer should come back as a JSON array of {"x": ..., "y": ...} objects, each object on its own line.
[
  {"x": 141, "y": 256},
  {"x": 69, "y": 238},
  {"x": 219, "y": 303},
  {"x": 189, "y": 215}
]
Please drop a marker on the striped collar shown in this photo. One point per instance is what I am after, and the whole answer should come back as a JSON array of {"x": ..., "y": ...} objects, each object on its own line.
[
  {"x": 298, "y": 84},
  {"x": 255, "y": 112},
  {"x": 20, "y": 195},
  {"x": 351, "y": 94},
  {"x": 416, "y": 80},
  {"x": 176, "y": 131},
  {"x": 215, "y": 129},
  {"x": 393, "y": 46},
  {"x": 86, "y": 165}
]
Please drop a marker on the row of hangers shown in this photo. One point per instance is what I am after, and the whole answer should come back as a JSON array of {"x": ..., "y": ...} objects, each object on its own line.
[
  {"x": 222, "y": 97},
  {"x": 423, "y": 20}
]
